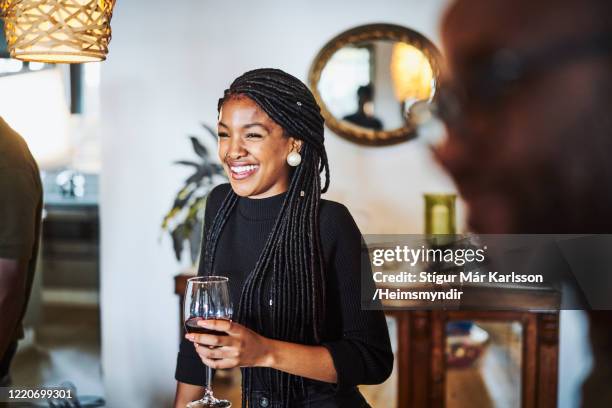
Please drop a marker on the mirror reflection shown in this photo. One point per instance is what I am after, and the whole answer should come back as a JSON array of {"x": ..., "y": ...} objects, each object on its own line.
[
  {"x": 483, "y": 363},
  {"x": 367, "y": 78},
  {"x": 372, "y": 84}
]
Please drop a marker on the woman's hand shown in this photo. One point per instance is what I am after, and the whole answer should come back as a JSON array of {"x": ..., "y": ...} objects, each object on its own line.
[{"x": 241, "y": 347}]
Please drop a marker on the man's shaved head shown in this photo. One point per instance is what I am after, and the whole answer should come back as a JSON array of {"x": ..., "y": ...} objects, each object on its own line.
[{"x": 526, "y": 161}]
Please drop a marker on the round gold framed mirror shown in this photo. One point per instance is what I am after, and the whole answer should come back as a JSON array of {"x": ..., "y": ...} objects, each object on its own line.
[{"x": 367, "y": 78}]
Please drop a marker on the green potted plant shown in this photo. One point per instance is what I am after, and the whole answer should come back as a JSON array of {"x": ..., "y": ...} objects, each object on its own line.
[{"x": 185, "y": 219}]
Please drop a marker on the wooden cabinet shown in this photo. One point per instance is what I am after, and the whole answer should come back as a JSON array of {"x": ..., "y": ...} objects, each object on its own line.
[{"x": 421, "y": 355}]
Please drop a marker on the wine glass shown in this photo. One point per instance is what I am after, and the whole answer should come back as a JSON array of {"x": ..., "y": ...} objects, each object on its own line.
[{"x": 207, "y": 297}]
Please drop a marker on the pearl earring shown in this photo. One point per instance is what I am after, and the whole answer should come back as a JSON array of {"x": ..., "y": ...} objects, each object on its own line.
[{"x": 294, "y": 159}]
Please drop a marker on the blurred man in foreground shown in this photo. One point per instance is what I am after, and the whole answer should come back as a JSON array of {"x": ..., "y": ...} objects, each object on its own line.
[
  {"x": 527, "y": 105},
  {"x": 20, "y": 214}
]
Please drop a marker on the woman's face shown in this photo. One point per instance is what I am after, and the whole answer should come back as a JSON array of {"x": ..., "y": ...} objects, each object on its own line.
[{"x": 253, "y": 149}]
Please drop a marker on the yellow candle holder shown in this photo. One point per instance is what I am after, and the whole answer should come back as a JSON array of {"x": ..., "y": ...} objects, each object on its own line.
[{"x": 440, "y": 214}]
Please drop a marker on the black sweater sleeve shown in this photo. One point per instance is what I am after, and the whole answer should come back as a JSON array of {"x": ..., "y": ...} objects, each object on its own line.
[
  {"x": 363, "y": 354},
  {"x": 189, "y": 367}
]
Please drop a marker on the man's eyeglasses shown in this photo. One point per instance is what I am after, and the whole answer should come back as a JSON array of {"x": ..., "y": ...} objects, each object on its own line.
[{"x": 495, "y": 76}]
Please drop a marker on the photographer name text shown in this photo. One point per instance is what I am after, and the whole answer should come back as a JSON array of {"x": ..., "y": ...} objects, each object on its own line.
[{"x": 423, "y": 255}]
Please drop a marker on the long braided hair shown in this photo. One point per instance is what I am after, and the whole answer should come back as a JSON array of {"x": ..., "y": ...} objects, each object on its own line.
[{"x": 289, "y": 271}]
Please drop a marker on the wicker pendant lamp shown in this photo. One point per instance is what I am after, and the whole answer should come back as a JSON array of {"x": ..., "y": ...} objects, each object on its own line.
[{"x": 57, "y": 31}]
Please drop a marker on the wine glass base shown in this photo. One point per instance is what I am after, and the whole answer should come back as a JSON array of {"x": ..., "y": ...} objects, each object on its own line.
[{"x": 209, "y": 402}]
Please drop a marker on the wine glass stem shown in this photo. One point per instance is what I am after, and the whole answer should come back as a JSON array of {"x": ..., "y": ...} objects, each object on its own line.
[{"x": 208, "y": 381}]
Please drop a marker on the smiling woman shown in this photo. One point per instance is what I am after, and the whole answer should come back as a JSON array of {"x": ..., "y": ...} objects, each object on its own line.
[
  {"x": 253, "y": 149},
  {"x": 293, "y": 261}
]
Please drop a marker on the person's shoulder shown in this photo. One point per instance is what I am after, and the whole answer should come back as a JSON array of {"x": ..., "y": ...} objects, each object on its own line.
[
  {"x": 217, "y": 195},
  {"x": 14, "y": 151},
  {"x": 331, "y": 208},
  {"x": 335, "y": 218},
  {"x": 220, "y": 190}
]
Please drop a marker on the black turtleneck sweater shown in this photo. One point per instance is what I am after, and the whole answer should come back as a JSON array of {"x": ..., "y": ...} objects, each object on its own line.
[{"x": 357, "y": 339}]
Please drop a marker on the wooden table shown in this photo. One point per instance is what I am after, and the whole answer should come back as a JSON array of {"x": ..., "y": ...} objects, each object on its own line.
[{"x": 421, "y": 344}]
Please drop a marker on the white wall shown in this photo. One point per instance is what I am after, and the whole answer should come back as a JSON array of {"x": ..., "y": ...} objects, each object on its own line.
[
  {"x": 169, "y": 63},
  {"x": 41, "y": 95}
]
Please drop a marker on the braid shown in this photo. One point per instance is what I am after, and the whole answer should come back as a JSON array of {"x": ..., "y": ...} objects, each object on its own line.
[{"x": 287, "y": 280}]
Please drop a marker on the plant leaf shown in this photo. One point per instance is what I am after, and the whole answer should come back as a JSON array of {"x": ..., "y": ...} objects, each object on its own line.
[
  {"x": 202, "y": 173},
  {"x": 195, "y": 241},
  {"x": 188, "y": 163},
  {"x": 178, "y": 236},
  {"x": 168, "y": 217},
  {"x": 218, "y": 169},
  {"x": 182, "y": 199},
  {"x": 198, "y": 147},
  {"x": 210, "y": 130}
]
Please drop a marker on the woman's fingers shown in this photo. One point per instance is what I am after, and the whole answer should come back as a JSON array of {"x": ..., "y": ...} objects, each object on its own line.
[
  {"x": 208, "y": 339},
  {"x": 222, "y": 325},
  {"x": 216, "y": 353},
  {"x": 217, "y": 357}
]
